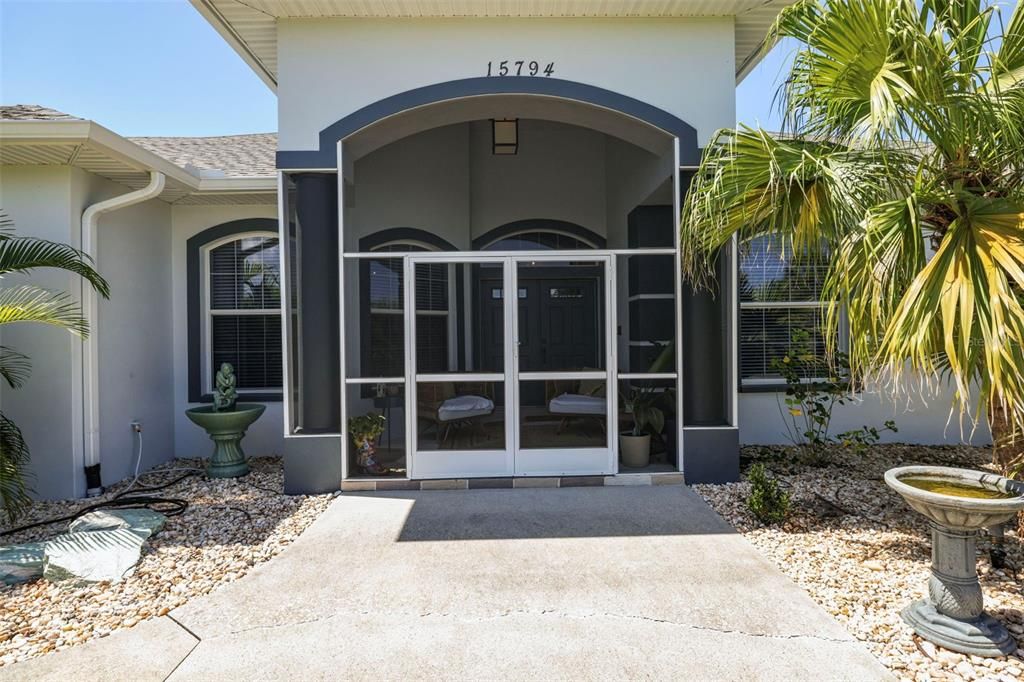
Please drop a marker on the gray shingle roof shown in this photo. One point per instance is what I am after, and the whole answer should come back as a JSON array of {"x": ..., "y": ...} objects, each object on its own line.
[
  {"x": 33, "y": 112},
  {"x": 229, "y": 156},
  {"x": 235, "y": 155}
]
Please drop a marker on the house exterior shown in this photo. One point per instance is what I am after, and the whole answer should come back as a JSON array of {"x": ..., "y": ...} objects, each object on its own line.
[{"x": 431, "y": 159}]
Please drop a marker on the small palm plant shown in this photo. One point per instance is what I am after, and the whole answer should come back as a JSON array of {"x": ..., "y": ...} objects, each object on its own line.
[
  {"x": 29, "y": 303},
  {"x": 903, "y": 135}
]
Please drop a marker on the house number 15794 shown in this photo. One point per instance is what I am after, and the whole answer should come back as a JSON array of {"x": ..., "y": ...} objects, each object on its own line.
[{"x": 520, "y": 67}]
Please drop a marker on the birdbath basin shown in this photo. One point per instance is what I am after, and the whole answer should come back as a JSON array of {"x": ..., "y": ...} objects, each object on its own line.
[
  {"x": 226, "y": 430},
  {"x": 957, "y": 503}
]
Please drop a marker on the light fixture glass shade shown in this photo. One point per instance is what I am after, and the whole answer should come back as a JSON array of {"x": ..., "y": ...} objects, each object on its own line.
[{"x": 505, "y": 133}]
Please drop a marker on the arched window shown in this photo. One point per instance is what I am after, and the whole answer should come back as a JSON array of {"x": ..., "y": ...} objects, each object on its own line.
[
  {"x": 383, "y": 278},
  {"x": 235, "y": 308},
  {"x": 243, "y": 311},
  {"x": 539, "y": 234},
  {"x": 538, "y": 241}
]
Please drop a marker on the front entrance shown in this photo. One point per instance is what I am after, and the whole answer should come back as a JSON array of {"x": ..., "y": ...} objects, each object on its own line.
[
  {"x": 560, "y": 315},
  {"x": 536, "y": 395}
]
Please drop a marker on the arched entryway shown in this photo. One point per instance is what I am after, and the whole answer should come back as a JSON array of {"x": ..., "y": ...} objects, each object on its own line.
[{"x": 555, "y": 282}]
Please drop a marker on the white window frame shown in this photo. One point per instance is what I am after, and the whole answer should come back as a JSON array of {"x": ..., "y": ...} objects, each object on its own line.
[
  {"x": 206, "y": 350},
  {"x": 809, "y": 304}
]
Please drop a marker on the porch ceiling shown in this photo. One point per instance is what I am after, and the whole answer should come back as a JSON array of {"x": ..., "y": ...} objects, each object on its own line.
[
  {"x": 250, "y": 27},
  {"x": 570, "y": 112}
]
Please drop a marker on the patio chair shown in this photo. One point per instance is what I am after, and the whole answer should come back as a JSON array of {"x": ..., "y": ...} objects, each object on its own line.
[
  {"x": 581, "y": 399},
  {"x": 450, "y": 407}
]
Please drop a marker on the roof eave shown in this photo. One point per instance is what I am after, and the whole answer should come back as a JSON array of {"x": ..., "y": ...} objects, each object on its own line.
[
  {"x": 238, "y": 184},
  {"x": 223, "y": 27}
]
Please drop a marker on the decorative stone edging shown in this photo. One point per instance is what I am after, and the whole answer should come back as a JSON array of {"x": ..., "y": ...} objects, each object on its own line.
[{"x": 384, "y": 484}]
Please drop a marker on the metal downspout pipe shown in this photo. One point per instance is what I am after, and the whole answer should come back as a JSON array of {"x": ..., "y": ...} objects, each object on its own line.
[{"x": 89, "y": 404}]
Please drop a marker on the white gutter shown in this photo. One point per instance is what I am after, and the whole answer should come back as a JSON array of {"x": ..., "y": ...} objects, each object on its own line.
[{"x": 90, "y": 417}]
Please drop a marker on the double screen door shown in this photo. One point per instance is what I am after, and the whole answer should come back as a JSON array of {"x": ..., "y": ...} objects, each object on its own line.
[{"x": 525, "y": 385}]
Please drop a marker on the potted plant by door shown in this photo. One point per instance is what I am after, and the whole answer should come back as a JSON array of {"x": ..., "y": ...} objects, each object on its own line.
[
  {"x": 635, "y": 444},
  {"x": 365, "y": 430},
  {"x": 226, "y": 422}
]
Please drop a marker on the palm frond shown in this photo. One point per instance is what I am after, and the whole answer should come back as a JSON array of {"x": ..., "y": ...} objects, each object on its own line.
[
  {"x": 14, "y": 459},
  {"x": 15, "y": 367},
  {"x": 964, "y": 309},
  {"x": 1008, "y": 63},
  {"x": 869, "y": 273},
  {"x": 751, "y": 184},
  {"x": 21, "y": 254},
  {"x": 33, "y": 304}
]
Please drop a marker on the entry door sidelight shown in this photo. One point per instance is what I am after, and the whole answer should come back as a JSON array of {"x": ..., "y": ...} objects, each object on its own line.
[{"x": 562, "y": 374}]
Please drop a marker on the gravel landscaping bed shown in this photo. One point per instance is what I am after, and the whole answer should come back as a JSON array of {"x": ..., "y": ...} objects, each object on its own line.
[
  {"x": 230, "y": 525},
  {"x": 863, "y": 555}
]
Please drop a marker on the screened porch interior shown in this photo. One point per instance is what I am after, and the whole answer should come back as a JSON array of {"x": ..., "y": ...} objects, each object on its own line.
[{"x": 497, "y": 289}]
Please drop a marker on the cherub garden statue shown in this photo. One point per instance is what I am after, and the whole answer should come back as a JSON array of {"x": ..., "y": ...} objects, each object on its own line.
[{"x": 225, "y": 396}]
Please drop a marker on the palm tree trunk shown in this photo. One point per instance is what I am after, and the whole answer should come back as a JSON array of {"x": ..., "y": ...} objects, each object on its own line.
[
  {"x": 1007, "y": 454},
  {"x": 1007, "y": 442}
]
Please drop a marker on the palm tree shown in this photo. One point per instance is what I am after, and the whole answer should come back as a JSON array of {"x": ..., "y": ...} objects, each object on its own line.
[
  {"x": 28, "y": 303},
  {"x": 901, "y": 155}
]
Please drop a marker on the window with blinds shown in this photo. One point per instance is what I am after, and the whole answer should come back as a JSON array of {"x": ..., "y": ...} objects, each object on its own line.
[
  {"x": 244, "y": 312},
  {"x": 386, "y": 352},
  {"x": 781, "y": 313}
]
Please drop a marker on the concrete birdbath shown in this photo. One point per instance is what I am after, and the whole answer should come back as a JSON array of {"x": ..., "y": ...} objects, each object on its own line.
[
  {"x": 226, "y": 422},
  {"x": 958, "y": 503}
]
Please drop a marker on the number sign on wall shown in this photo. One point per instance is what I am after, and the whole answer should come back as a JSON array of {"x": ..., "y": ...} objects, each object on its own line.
[{"x": 520, "y": 67}]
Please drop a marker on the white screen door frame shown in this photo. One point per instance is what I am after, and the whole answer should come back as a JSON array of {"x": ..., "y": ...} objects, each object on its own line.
[
  {"x": 513, "y": 460},
  {"x": 569, "y": 461},
  {"x": 438, "y": 463}
]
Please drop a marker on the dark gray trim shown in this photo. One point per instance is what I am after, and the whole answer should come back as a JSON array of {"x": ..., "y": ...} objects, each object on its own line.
[
  {"x": 319, "y": 339},
  {"x": 404, "y": 234},
  {"x": 711, "y": 455},
  {"x": 193, "y": 297},
  {"x": 312, "y": 465},
  {"x": 326, "y": 156},
  {"x": 537, "y": 225}
]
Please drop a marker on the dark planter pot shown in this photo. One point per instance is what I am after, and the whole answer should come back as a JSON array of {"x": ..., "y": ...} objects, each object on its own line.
[{"x": 226, "y": 430}]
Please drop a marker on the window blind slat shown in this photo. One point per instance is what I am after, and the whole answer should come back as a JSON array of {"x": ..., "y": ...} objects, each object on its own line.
[
  {"x": 769, "y": 274},
  {"x": 244, "y": 274}
]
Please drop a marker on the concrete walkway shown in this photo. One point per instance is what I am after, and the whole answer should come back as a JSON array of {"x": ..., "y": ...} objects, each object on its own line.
[{"x": 573, "y": 583}]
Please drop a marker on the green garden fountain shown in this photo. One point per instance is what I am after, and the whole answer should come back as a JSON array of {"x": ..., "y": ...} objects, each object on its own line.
[
  {"x": 226, "y": 421},
  {"x": 957, "y": 503}
]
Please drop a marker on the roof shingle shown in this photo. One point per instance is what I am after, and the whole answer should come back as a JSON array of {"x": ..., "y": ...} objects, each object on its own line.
[
  {"x": 234, "y": 155},
  {"x": 33, "y": 112}
]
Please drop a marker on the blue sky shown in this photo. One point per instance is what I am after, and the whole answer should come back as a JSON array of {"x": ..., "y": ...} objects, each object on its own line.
[{"x": 155, "y": 67}]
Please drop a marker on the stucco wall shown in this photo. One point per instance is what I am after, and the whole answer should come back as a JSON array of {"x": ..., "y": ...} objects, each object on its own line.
[
  {"x": 421, "y": 181},
  {"x": 133, "y": 328},
  {"x": 448, "y": 182},
  {"x": 558, "y": 173},
  {"x": 330, "y": 68},
  {"x": 918, "y": 420},
  {"x": 265, "y": 437},
  {"x": 38, "y": 200}
]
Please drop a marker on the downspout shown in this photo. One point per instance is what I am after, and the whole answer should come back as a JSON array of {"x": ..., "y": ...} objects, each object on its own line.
[{"x": 90, "y": 408}]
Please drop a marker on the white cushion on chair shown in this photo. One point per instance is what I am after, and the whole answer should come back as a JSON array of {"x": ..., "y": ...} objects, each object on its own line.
[
  {"x": 464, "y": 407},
  {"x": 573, "y": 403}
]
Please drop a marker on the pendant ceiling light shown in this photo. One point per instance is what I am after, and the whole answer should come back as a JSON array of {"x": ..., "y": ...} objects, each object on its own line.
[{"x": 505, "y": 136}]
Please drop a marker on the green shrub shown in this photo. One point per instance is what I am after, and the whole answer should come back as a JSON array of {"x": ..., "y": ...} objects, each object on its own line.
[
  {"x": 767, "y": 501},
  {"x": 814, "y": 386}
]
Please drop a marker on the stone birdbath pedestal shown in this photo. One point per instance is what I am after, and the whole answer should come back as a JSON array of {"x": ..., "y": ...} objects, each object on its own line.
[
  {"x": 958, "y": 503},
  {"x": 226, "y": 421}
]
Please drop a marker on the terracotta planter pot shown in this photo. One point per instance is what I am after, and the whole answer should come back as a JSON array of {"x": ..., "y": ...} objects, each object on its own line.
[{"x": 635, "y": 451}]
